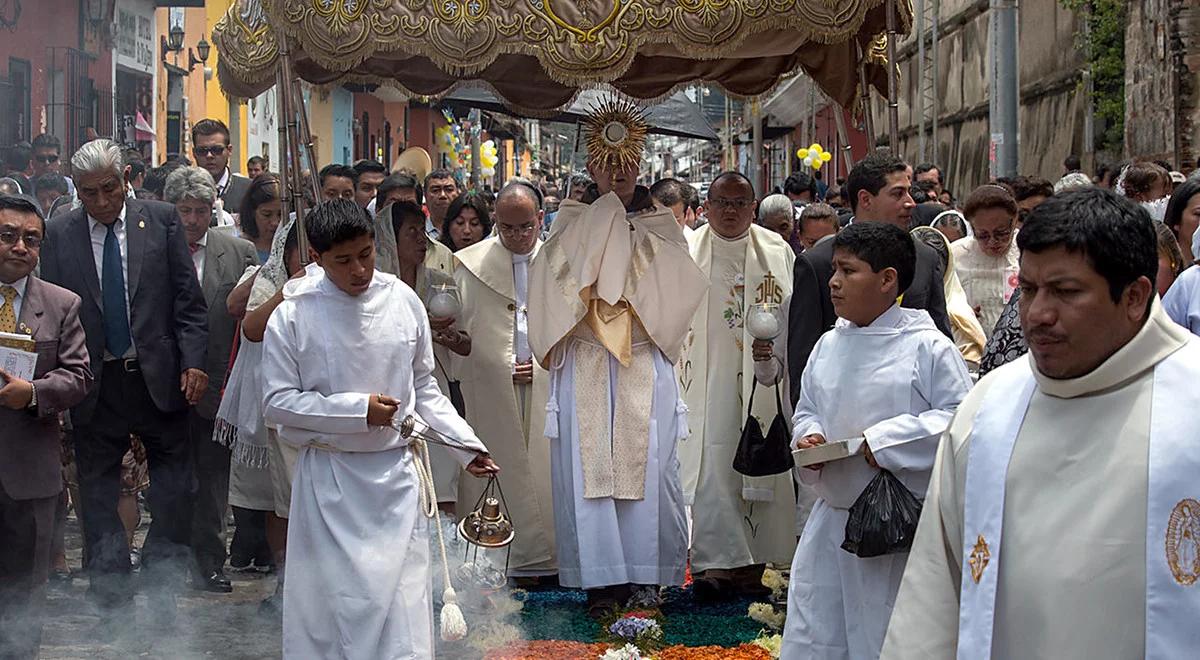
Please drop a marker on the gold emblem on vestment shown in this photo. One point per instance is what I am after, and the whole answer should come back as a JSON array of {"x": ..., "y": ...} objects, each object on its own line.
[
  {"x": 1183, "y": 542},
  {"x": 979, "y": 559}
]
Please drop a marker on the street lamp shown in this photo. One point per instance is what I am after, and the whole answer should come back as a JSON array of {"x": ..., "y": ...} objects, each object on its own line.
[
  {"x": 171, "y": 43},
  {"x": 203, "y": 49}
]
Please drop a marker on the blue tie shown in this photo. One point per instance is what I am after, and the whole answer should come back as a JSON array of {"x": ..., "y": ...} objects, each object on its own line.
[{"x": 116, "y": 323}]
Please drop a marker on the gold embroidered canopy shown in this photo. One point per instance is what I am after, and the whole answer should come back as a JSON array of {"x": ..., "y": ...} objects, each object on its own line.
[{"x": 537, "y": 54}]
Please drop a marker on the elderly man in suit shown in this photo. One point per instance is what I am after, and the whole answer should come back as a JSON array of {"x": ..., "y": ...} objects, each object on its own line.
[
  {"x": 30, "y": 477},
  {"x": 212, "y": 147},
  {"x": 220, "y": 259},
  {"x": 878, "y": 190},
  {"x": 146, "y": 324}
]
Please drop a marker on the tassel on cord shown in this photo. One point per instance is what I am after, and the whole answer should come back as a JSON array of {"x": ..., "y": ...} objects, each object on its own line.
[{"x": 453, "y": 624}]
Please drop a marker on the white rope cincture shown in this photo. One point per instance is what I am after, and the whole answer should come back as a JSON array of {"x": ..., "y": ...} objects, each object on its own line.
[{"x": 453, "y": 624}]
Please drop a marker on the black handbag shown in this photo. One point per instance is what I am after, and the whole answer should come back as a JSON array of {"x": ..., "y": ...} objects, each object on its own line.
[{"x": 762, "y": 456}]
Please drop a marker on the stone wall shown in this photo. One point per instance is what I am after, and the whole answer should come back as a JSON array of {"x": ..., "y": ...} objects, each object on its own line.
[{"x": 1052, "y": 108}]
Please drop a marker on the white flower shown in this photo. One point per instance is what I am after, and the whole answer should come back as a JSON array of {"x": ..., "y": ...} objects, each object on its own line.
[{"x": 630, "y": 652}]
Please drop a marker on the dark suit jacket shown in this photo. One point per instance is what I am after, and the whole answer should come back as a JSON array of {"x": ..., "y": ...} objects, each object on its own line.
[
  {"x": 235, "y": 192},
  {"x": 30, "y": 440},
  {"x": 167, "y": 315},
  {"x": 225, "y": 259},
  {"x": 811, "y": 314}
]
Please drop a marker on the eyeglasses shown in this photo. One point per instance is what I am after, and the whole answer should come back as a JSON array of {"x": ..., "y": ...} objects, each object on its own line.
[
  {"x": 215, "y": 150},
  {"x": 47, "y": 159},
  {"x": 514, "y": 231},
  {"x": 738, "y": 204},
  {"x": 1000, "y": 236},
  {"x": 10, "y": 237}
]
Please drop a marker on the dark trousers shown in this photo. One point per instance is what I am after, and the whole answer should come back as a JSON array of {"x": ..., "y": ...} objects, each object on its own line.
[
  {"x": 125, "y": 407},
  {"x": 211, "y": 462},
  {"x": 26, "y": 533}
]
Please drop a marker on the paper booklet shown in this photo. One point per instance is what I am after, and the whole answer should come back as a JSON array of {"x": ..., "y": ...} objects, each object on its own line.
[
  {"x": 830, "y": 451},
  {"x": 18, "y": 355}
]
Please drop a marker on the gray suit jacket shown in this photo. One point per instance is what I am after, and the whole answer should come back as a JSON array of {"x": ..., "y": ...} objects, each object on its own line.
[
  {"x": 235, "y": 192},
  {"x": 30, "y": 440},
  {"x": 167, "y": 315},
  {"x": 225, "y": 259}
]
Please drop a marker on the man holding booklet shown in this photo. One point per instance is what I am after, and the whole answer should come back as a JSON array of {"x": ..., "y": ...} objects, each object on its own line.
[{"x": 39, "y": 317}]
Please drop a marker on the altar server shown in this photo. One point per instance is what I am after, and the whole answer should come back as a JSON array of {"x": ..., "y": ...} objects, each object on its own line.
[
  {"x": 613, "y": 293},
  {"x": 889, "y": 381},
  {"x": 739, "y": 523},
  {"x": 504, "y": 391},
  {"x": 1063, "y": 517},
  {"x": 347, "y": 354}
]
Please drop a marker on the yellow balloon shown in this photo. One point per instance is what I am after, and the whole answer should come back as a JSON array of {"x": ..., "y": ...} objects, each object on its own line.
[
  {"x": 817, "y": 164},
  {"x": 826, "y": 156},
  {"x": 815, "y": 147},
  {"x": 802, "y": 154}
]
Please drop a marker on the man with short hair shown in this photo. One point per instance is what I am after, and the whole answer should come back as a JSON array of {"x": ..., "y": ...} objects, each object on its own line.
[
  {"x": 878, "y": 190},
  {"x": 800, "y": 187},
  {"x": 1072, "y": 164},
  {"x": 145, "y": 320},
  {"x": 440, "y": 189},
  {"x": 399, "y": 187},
  {"x": 255, "y": 167},
  {"x": 371, "y": 174},
  {"x": 219, "y": 259},
  {"x": 1029, "y": 191},
  {"x": 739, "y": 523},
  {"x": 931, "y": 173},
  {"x": 1061, "y": 518},
  {"x": 49, "y": 187},
  {"x": 211, "y": 148},
  {"x": 337, "y": 182},
  {"x": 669, "y": 193},
  {"x": 30, "y": 438},
  {"x": 348, "y": 357},
  {"x": 504, "y": 391},
  {"x": 817, "y": 222},
  {"x": 47, "y": 158},
  {"x": 17, "y": 161}
]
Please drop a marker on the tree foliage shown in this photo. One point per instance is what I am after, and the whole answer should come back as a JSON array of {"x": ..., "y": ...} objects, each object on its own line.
[{"x": 1102, "y": 39}]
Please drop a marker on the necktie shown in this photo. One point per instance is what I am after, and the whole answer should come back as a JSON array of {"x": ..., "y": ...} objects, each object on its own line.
[
  {"x": 8, "y": 313},
  {"x": 112, "y": 283}
]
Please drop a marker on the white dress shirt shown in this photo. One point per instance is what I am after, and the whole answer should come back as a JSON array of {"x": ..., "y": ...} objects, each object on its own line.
[
  {"x": 99, "y": 232},
  {"x": 198, "y": 256},
  {"x": 19, "y": 285}
]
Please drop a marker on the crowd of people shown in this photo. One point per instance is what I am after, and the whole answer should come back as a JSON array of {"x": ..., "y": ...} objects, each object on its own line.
[{"x": 601, "y": 350}]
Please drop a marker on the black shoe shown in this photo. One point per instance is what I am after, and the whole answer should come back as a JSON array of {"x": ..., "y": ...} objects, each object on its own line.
[{"x": 214, "y": 581}]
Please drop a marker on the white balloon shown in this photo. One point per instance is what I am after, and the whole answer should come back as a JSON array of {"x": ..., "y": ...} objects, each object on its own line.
[
  {"x": 808, "y": 161},
  {"x": 488, "y": 171}
]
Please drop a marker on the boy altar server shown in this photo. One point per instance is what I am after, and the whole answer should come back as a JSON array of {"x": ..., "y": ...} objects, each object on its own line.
[
  {"x": 888, "y": 378},
  {"x": 1063, "y": 516},
  {"x": 346, "y": 353}
]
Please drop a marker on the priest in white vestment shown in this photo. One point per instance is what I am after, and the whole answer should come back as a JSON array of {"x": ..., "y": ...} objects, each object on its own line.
[
  {"x": 504, "y": 390},
  {"x": 1062, "y": 517},
  {"x": 347, "y": 355},
  {"x": 739, "y": 523},
  {"x": 613, "y": 292},
  {"x": 889, "y": 381}
]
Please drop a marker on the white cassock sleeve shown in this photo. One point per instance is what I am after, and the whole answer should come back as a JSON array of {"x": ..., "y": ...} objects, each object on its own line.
[
  {"x": 909, "y": 441},
  {"x": 286, "y": 402},
  {"x": 806, "y": 420},
  {"x": 432, "y": 406},
  {"x": 1180, "y": 302}
]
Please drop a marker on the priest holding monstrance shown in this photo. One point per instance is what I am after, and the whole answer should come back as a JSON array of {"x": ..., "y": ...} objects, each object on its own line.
[
  {"x": 612, "y": 293},
  {"x": 1063, "y": 517}
]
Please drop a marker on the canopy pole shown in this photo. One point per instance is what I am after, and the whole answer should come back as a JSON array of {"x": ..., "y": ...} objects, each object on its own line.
[
  {"x": 306, "y": 139},
  {"x": 476, "y": 119},
  {"x": 865, "y": 98},
  {"x": 893, "y": 80},
  {"x": 289, "y": 171},
  {"x": 571, "y": 160},
  {"x": 847, "y": 156}
]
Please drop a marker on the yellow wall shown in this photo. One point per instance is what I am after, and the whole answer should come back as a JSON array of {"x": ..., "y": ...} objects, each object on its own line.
[{"x": 205, "y": 98}]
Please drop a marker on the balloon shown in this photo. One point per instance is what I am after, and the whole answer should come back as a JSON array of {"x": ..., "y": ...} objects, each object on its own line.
[
  {"x": 490, "y": 144},
  {"x": 802, "y": 154},
  {"x": 488, "y": 171},
  {"x": 808, "y": 162},
  {"x": 814, "y": 147},
  {"x": 817, "y": 164},
  {"x": 826, "y": 156}
]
